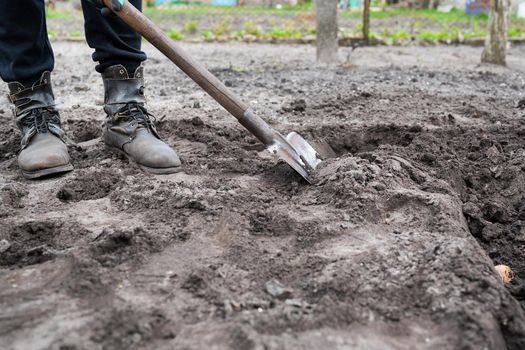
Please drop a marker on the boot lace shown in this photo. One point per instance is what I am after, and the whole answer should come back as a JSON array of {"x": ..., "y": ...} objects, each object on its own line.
[
  {"x": 40, "y": 118},
  {"x": 137, "y": 113}
]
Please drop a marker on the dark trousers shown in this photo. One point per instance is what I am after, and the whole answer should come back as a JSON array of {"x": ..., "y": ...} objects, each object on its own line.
[{"x": 25, "y": 51}]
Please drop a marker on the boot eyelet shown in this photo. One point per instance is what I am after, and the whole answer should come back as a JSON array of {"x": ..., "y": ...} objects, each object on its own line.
[{"x": 121, "y": 71}]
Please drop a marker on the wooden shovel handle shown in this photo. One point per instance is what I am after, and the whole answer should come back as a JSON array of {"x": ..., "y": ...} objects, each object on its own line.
[{"x": 197, "y": 72}]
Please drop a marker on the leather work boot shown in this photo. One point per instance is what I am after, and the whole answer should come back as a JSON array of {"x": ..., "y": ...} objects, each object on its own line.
[
  {"x": 129, "y": 128},
  {"x": 43, "y": 149}
]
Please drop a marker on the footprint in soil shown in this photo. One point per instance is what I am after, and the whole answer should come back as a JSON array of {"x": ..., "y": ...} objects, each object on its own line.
[
  {"x": 82, "y": 130},
  {"x": 88, "y": 185},
  {"x": 130, "y": 328},
  {"x": 114, "y": 247}
]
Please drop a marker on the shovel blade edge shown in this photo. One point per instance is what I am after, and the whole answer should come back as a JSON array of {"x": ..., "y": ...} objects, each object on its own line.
[{"x": 297, "y": 152}]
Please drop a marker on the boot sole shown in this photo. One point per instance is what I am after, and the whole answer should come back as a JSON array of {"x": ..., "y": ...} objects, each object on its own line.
[
  {"x": 47, "y": 172},
  {"x": 156, "y": 171}
]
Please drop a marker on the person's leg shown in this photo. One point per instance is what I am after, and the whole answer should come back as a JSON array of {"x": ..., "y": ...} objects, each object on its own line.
[
  {"x": 129, "y": 127},
  {"x": 25, "y": 51},
  {"x": 26, "y": 62},
  {"x": 113, "y": 40}
]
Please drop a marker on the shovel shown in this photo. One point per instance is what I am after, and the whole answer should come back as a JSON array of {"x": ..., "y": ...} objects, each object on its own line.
[{"x": 293, "y": 149}]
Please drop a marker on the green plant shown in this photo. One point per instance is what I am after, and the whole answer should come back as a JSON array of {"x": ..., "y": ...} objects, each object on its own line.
[
  {"x": 515, "y": 32},
  {"x": 252, "y": 29},
  {"x": 238, "y": 34},
  {"x": 286, "y": 30},
  {"x": 207, "y": 35},
  {"x": 222, "y": 27},
  {"x": 446, "y": 34},
  {"x": 191, "y": 27},
  {"x": 175, "y": 35}
]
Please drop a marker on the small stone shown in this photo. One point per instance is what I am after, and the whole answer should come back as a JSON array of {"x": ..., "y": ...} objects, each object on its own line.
[
  {"x": 428, "y": 158},
  {"x": 299, "y": 105},
  {"x": 196, "y": 104},
  {"x": 278, "y": 290},
  {"x": 196, "y": 121},
  {"x": 4, "y": 245},
  {"x": 521, "y": 104},
  {"x": 228, "y": 83},
  {"x": 81, "y": 88},
  {"x": 294, "y": 302},
  {"x": 378, "y": 186},
  {"x": 493, "y": 154}
]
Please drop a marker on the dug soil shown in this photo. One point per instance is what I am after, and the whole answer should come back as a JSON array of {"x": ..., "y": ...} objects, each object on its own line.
[{"x": 421, "y": 193}]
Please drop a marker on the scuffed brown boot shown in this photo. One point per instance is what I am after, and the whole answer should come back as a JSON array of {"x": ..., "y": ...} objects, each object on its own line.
[
  {"x": 43, "y": 151},
  {"x": 128, "y": 128}
]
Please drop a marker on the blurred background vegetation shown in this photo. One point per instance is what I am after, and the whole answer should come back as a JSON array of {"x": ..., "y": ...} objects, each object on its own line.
[{"x": 393, "y": 22}]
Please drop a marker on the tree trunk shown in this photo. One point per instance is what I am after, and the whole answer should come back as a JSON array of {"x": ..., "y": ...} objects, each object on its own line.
[
  {"x": 366, "y": 21},
  {"x": 496, "y": 39},
  {"x": 326, "y": 19}
]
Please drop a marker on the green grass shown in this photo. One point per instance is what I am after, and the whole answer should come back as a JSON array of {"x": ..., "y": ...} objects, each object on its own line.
[
  {"x": 202, "y": 10},
  {"x": 75, "y": 34},
  {"x": 53, "y": 14},
  {"x": 289, "y": 23},
  {"x": 283, "y": 32},
  {"x": 440, "y": 17}
]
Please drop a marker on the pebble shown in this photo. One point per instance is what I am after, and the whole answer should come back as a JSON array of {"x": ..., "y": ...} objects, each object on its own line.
[
  {"x": 378, "y": 186},
  {"x": 493, "y": 154},
  {"x": 299, "y": 105},
  {"x": 4, "y": 245},
  {"x": 196, "y": 121},
  {"x": 357, "y": 175},
  {"x": 277, "y": 289}
]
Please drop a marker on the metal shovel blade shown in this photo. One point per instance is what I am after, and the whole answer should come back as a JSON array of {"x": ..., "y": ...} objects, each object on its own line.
[{"x": 295, "y": 151}]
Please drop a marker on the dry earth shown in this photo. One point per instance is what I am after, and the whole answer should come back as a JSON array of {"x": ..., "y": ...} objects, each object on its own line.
[{"x": 421, "y": 193}]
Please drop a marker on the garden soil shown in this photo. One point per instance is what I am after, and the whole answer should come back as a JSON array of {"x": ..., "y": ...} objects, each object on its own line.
[{"x": 421, "y": 193}]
